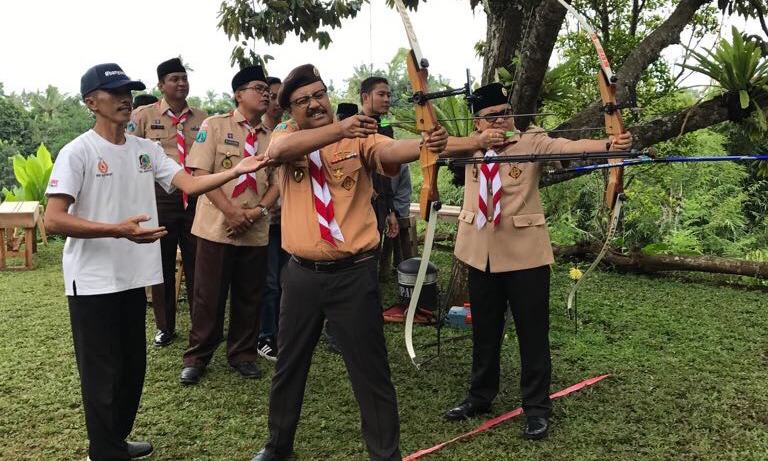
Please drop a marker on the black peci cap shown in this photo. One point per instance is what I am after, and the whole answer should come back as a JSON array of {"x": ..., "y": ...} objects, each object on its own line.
[
  {"x": 106, "y": 77},
  {"x": 346, "y": 109},
  {"x": 248, "y": 74},
  {"x": 143, "y": 100},
  {"x": 168, "y": 67},
  {"x": 489, "y": 95}
]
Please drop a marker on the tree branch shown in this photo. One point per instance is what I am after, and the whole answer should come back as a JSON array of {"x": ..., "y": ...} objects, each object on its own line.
[
  {"x": 646, "y": 53},
  {"x": 536, "y": 51}
]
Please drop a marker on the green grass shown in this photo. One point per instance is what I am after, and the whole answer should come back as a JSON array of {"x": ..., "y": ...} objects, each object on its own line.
[{"x": 688, "y": 365}]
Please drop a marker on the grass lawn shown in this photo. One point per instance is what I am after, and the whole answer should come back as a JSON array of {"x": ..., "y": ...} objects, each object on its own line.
[{"x": 688, "y": 364}]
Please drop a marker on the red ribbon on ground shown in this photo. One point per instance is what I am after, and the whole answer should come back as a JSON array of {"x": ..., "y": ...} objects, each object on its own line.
[{"x": 499, "y": 419}]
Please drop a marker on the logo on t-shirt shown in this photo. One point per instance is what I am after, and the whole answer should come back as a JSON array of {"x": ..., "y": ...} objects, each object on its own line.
[
  {"x": 53, "y": 183},
  {"x": 103, "y": 168},
  {"x": 145, "y": 163}
]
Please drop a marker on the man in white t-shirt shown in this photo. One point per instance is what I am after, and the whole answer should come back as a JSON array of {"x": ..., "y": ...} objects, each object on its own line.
[{"x": 100, "y": 192}]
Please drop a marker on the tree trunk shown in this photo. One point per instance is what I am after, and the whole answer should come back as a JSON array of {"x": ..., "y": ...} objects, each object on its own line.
[
  {"x": 507, "y": 20},
  {"x": 643, "y": 263},
  {"x": 537, "y": 48}
]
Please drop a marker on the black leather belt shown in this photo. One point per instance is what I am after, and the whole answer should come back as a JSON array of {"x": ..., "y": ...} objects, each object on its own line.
[{"x": 335, "y": 265}]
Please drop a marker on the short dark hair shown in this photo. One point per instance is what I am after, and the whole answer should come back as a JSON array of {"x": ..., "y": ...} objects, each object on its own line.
[
  {"x": 367, "y": 85},
  {"x": 272, "y": 80}
]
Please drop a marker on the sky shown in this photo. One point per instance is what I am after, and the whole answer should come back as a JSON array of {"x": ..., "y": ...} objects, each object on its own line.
[{"x": 57, "y": 47}]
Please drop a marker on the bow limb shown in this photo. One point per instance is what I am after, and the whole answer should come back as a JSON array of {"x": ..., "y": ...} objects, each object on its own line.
[
  {"x": 429, "y": 199},
  {"x": 614, "y": 125}
]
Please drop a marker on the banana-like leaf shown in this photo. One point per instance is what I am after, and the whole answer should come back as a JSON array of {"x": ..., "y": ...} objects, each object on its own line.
[
  {"x": 44, "y": 157},
  {"x": 20, "y": 170}
]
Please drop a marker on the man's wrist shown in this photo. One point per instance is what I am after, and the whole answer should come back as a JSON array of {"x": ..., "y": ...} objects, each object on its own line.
[{"x": 114, "y": 231}]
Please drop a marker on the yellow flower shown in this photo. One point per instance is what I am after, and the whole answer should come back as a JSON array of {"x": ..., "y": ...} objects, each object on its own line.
[{"x": 575, "y": 273}]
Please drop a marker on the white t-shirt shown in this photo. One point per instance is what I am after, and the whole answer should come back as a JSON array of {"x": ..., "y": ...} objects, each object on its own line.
[{"x": 111, "y": 183}]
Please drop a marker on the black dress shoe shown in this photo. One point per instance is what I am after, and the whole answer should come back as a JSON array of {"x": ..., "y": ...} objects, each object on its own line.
[
  {"x": 268, "y": 455},
  {"x": 465, "y": 410},
  {"x": 191, "y": 375},
  {"x": 139, "y": 450},
  {"x": 164, "y": 338},
  {"x": 248, "y": 370},
  {"x": 536, "y": 428}
]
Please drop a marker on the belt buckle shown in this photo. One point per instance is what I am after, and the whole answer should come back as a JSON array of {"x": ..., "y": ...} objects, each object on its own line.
[{"x": 323, "y": 266}]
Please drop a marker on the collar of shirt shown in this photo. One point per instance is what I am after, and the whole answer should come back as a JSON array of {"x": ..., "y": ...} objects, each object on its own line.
[
  {"x": 238, "y": 118},
  {"x": 164, "y": 106}
]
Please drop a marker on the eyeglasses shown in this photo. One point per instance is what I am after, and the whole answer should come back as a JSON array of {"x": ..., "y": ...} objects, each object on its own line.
[
  {"x": 304, "y": 101},
  {"x": 258, "y": 88},
  {"x": 493, "y": 116}
]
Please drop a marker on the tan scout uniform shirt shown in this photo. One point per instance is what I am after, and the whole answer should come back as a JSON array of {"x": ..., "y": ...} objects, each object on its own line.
[
  {"x": 347, "y": 165},
  {"x": 219, "y": 146},
  {"x": 521, "y": 240},
  {"x": 152, "y": 122}
]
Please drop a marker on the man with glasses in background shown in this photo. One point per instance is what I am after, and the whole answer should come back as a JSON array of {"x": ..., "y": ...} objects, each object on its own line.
[{"x": 231, "y": 225}]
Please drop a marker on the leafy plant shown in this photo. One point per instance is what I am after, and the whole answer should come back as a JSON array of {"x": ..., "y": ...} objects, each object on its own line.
[
  {"x": 738, "y": 68},
  {"x": 32, "y": 173}
]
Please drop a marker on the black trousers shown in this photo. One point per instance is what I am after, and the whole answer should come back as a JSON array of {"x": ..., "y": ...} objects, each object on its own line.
[
  {"x": 528, "y": 294},
  {"x": 226, "y": 269},
  {"x": 178, "y": 223},
  {"x": 110, "y": 347},
  {"x": 350, "y": 300}
]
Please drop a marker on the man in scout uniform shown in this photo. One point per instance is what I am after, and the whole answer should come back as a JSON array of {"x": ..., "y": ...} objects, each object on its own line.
[
  {"x": 172, "y": 124},
  {"x": 232, "y": 229},
  {"x": 329, "y": 228},
  {"x": 101, "y": 196},
  {"x": 276, "y": 256},
  {"x": 375, "y": 97},
  {"x": 503, "y": 239}
]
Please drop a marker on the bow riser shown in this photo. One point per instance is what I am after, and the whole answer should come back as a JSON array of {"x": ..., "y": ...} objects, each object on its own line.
[
  {"x": 426, "y": 121},
  {"x": 614, "y": 126}
]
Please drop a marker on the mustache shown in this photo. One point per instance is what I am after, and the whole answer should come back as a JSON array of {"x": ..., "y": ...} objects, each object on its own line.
[{"x": 319, "y": 110}]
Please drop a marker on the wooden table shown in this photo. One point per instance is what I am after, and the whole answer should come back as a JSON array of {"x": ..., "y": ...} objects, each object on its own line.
[{"x": 18, "y": 215}]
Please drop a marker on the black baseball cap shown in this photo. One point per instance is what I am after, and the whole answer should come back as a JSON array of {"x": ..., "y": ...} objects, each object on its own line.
[{"x": 106, "y": 77}]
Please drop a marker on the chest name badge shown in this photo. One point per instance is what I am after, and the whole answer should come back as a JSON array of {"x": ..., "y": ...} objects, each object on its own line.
[
  {"x": 231, "y": 142},
  {"x": 156, "y": 127}
]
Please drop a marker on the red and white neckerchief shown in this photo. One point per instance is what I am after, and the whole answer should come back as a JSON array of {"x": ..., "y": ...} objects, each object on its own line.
[
  {"x": 329, "y": 228},
  {"x": 490, "y": 174},
  {"x": 181, "y": 145},
  {"x": 244, "y": 181}
]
